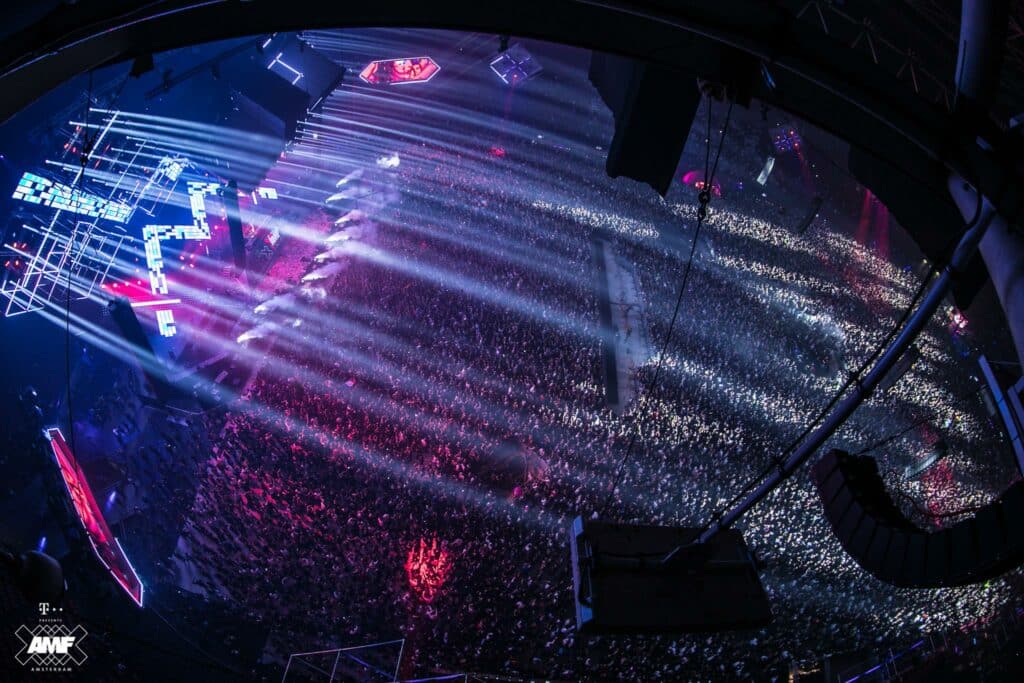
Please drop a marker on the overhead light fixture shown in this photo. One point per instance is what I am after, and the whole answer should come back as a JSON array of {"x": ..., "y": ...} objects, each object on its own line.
[{"x": 515, "y": 65}]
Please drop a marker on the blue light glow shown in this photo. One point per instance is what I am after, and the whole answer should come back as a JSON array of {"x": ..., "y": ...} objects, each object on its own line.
[
  {"x": 36, "y": 189},
  {"x": 291, "y": 71}
]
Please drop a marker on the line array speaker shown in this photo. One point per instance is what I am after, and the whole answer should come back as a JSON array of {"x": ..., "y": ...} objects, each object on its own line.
[
  {"x": 885, "y": 543},
  {"x": 654, "y": 108}
]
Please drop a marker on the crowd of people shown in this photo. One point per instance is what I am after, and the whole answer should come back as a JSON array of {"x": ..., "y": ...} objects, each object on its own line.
[{"x": 470, "y": 321}]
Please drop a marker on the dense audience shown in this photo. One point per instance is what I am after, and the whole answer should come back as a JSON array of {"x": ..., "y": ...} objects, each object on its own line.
[{"x": 341, "y": 501}]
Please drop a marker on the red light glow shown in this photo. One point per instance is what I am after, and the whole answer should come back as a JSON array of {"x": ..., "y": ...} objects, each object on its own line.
[
  {"x": 399, "y": 71},
  {"x": 428, "y": 567}
]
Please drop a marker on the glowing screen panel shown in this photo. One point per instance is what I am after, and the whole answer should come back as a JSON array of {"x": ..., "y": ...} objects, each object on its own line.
[
  {"x": 106, "y": 547},
  {"x": 399, "y": 71},
  {"x": 36, "y": 189}
]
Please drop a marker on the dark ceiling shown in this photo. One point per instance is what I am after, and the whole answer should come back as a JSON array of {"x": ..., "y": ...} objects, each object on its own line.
[
  {"x": 917, "y": 41},
  {"x": 878, "y": 74}
]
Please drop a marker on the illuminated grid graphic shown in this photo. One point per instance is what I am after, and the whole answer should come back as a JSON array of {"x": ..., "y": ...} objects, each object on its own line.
[
  {"x": 400, "y": 71},
  {"x": 152, "y": 235},
  {"x": 199, "y": 229},
  {"x": 292, "y": 74},
  {"x": 88, "y": 253},
  {"x": 262, "y": 193},
  {"x": 36, "y": 189},
  {"x": 59, "y": 238},
  {"x": 165, "y": 321}
]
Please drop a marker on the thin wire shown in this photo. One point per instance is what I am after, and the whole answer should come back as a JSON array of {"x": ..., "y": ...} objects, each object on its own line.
[
  {"x": 854, "y": 377},
  {"x": 701, "y": 213},
  {"x": 721, "y": 143},
  {"x": 87, "y": 142}
]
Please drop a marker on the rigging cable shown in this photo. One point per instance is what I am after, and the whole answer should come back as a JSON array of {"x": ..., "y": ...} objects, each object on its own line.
[
  {"x": 703, "y": 198},
  {"x": 853, "y": 378}
]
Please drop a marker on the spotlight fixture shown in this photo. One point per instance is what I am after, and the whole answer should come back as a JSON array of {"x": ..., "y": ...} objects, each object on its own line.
[{"x": 515, "y": 65}]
